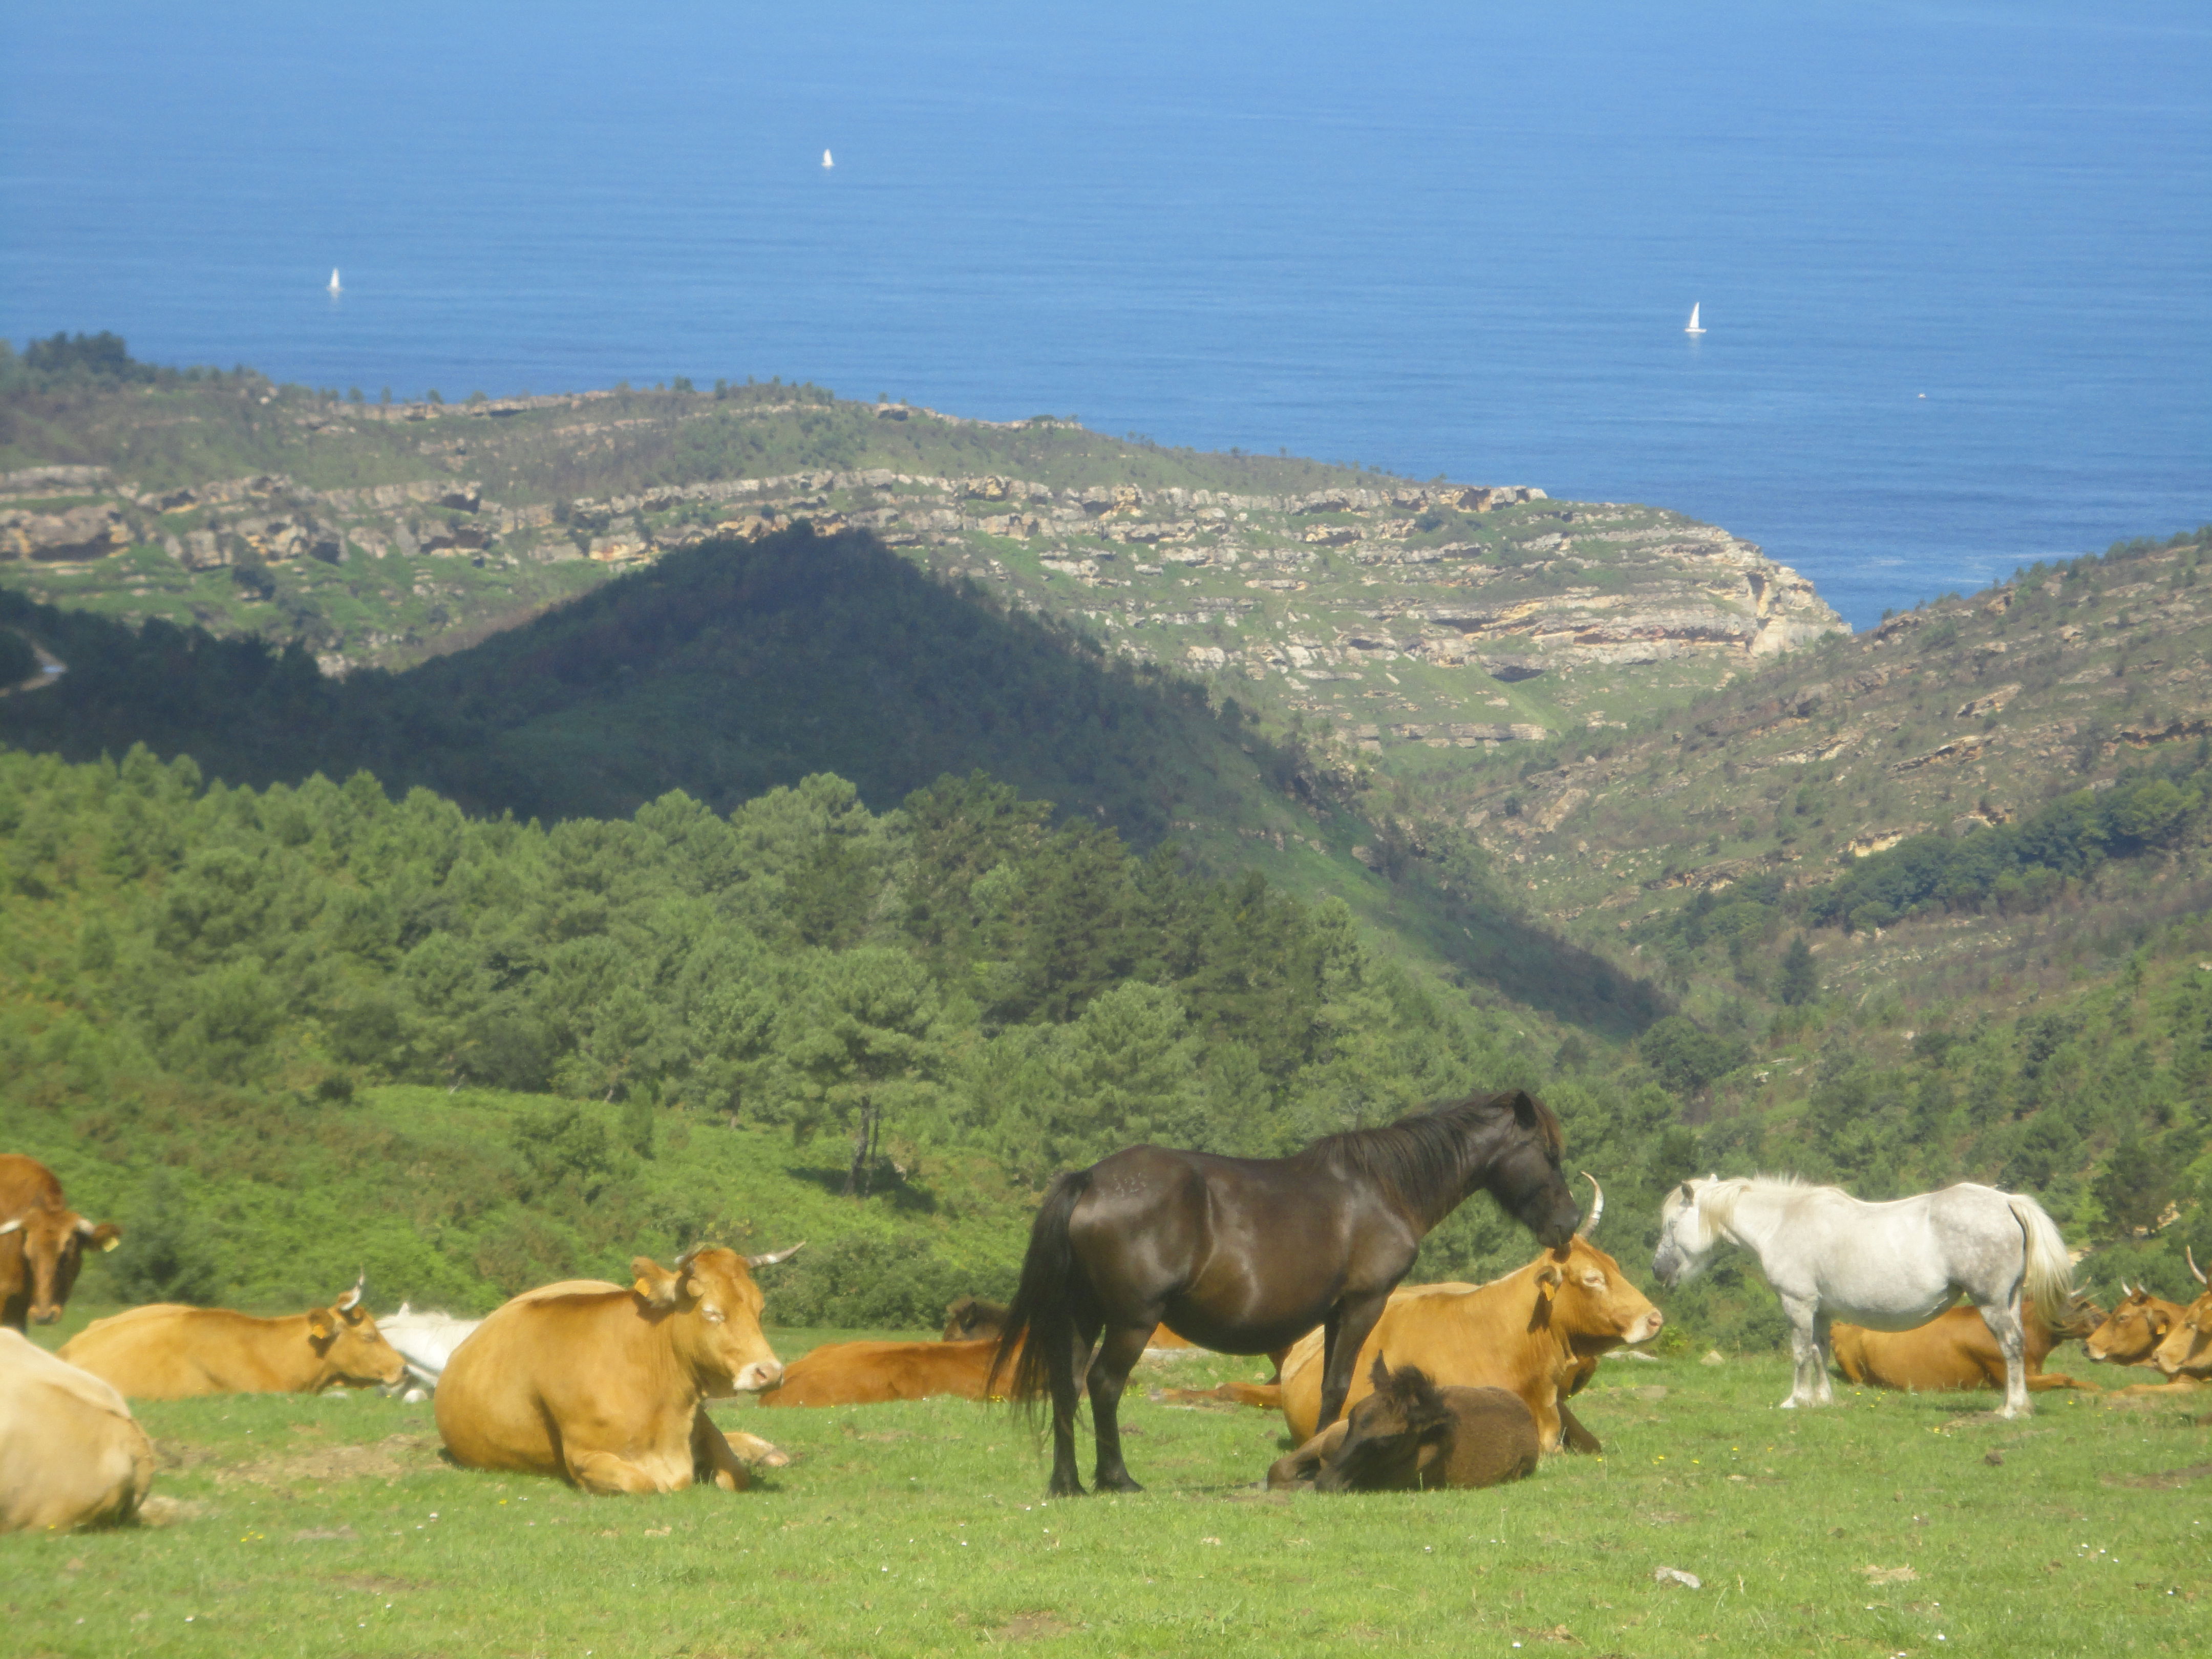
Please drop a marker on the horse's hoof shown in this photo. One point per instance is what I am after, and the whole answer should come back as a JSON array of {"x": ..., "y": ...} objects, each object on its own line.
[
  {"x": 1788, "y": 1405},
  {"x": 1066, "y": 1489},
  {"x": 1117, "y": 1483}
]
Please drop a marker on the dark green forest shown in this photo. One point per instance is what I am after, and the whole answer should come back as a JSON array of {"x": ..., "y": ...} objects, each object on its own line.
[{"x": 732, "y": 668}]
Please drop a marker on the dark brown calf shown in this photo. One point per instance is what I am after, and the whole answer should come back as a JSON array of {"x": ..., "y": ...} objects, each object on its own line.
[{"x": 1411, "y": 1435}]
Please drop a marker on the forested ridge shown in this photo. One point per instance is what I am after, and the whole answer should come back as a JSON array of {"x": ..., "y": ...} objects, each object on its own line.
[{"x": 732, "y": 668}]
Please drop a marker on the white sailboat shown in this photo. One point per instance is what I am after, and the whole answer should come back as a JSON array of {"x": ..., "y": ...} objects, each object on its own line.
[
  {"x": 334, "y": 288},
  {"x": 826, "y": 161},
  {"x": 1693, "y": 328}
]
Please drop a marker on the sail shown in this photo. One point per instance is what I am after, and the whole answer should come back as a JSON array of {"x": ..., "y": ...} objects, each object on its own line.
[
  {"x": 1693, "y": 328},
  {"x": 334, "y": 288},
  {"x": 826, "y": 161}
]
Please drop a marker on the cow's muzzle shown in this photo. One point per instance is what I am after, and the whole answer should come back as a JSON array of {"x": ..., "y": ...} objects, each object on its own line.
[
  {"x": 47, "y": 1315},
  {"x": 760, "y": 1374}
]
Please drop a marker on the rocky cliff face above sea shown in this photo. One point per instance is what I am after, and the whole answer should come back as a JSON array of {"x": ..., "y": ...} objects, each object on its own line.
[{"x": 1440, "y": 615}]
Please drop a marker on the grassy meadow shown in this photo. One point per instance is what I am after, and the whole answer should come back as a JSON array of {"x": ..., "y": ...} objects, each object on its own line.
[{"x": 1893, "y": 1524}]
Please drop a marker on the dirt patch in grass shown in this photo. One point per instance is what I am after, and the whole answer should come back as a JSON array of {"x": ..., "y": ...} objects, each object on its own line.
[
  {"x": 2170, "y": 1477},
  {"x": 383, "y": 1459},
  {"x": 1031, "y": 1627},
  {"x": 371, "y": 1584}
]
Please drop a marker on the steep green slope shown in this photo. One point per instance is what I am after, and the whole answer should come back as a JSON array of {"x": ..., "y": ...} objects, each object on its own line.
[{"x": 729, "y": 668}]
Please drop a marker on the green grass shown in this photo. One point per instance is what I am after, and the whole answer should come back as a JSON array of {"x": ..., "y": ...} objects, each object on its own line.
[{"x": 322, "y": 1526}]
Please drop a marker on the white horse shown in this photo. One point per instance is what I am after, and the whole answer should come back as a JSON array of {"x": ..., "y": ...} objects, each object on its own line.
[{"x": 1888, "y": 1266}]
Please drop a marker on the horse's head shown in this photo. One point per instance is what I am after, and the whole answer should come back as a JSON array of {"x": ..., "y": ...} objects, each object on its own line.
[
  {"x": 1524, "y": 1175},
  {"x": 1387, "y": 1434},
  {"x": 1686, "y": 1237}
]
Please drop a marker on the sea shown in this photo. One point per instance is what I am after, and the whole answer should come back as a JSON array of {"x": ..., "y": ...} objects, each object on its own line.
[{"x": 1954, "y": 260}]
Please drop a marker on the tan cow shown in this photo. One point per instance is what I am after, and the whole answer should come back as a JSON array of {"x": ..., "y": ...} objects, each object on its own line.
[
  {"x": 168, "y": 1352},
  {"x": 606, "y": 1387},
  {"x": 42, "y": 1244},
  {"x": 875, "y": 1373},
  {"x": 1538, "y": 1333},
  {"x": 2185, "y": 1355},
  {"x": 70, "y": 1454},
  {"x": 2132, "y": 1331},
  {"x": 1955, "y": 1350}
]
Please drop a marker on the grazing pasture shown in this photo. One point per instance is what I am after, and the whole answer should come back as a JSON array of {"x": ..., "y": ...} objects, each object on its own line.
[{"x": 1890, "y": 1523}]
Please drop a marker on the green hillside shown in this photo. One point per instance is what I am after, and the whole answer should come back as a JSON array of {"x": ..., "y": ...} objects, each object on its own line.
[{"x": 730, "y": 668}]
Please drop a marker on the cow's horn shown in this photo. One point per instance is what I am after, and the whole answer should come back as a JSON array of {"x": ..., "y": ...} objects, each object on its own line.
[
  {"x": 87, "y": 1225},
  {"x": 2193, "y": 1267},
  {"x": 1597, "y": 1206},
  {"x": 352, "y": 1298},
  {"x": 775, "y": 1256},
  {"x": 12, "y": 1226}
]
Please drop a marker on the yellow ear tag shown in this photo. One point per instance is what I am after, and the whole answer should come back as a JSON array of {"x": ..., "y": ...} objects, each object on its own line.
[{"x": 110, "y": 1245}]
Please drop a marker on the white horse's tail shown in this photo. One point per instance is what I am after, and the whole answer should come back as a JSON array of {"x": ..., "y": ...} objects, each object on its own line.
[{"x": 2049, "y": 1274}]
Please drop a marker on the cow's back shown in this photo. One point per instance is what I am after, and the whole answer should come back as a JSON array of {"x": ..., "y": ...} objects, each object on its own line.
[
  {"x": 555, "y": 1361},
  {"x": 167, "y": 1351},
  {"x": 70, "y": 1453},
  {"x": 1955, "y": 1350},
  {"x": 1446, "y": 1329},
  {"x": 152, "y": 1353},
  {"x": 875, "y": 1373}
]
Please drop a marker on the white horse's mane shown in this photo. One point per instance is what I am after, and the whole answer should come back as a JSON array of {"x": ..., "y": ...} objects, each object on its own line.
[{"x": 1717, "y": 1200}]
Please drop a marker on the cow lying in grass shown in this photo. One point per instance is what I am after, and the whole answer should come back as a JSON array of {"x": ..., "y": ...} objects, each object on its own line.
[
  {"x": 1538, "y": 1333},
  {"x": 167, "y": 1351},
  {"x": 1409, "y": 1435},
  {"x": 70, "y": 1454},
  {"x": 1956, "y": 1351},
  {"x": 874, "y": 1373},
  {"x": 2185, "y": 1355},
  {"x": 606, "y": 1387}
]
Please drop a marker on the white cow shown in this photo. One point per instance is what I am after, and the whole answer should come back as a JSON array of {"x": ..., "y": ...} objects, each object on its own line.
[{"x": 426, "y": 1341}]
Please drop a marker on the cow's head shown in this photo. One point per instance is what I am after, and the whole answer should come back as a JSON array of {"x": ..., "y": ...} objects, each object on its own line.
[
  {"x": 1686, "y": 1234},
  {"x": 969, "y": 1319},
  {"x": 53, "y": 1241},
  {"x": 1583, "y": 1296},
  {"x": 711, "y": 1306},
  {"x": 352, "y": 1350},
  {"x": 2130, "y": 1333},
  {"x": 2187, "y": 1350},
  {"x": 1389, "y": 1435}
]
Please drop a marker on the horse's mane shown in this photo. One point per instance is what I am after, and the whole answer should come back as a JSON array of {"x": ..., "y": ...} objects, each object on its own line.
[
  {"x": 1716, "y": 1201},
  {"x": 1416, "y": 1157}
]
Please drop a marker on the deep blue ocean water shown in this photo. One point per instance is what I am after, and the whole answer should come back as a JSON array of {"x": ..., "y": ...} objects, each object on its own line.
[{"x": 1956, "y": 259}]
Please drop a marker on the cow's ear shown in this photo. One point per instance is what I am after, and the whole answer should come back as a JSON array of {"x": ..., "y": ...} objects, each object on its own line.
[
  {"x": 107, "y": 1235},
  {"x": 656, "y": 1286},
  {"x": 321, "y": 1328},
  {"x": 1548, "y": 1280}
]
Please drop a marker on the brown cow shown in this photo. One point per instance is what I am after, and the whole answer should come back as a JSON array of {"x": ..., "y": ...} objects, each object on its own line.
[
  {"x": 968, "y": 1318},
  {"x": 42, "y": 1244},
  {"x": 874, "y": 1373},
  {"x": 1956, "y": 1351},
  {"x": 2134, "y": 1328},
  {"x": 2185, "y": 1356},
  {"x": 70, "y": 1455},
  {"x": 169, "y": 1351},
  {"x": 1409, "y": 1434},
  {"x": 1539, "y": 1332},
  {"x": 606, "y": 1387}
]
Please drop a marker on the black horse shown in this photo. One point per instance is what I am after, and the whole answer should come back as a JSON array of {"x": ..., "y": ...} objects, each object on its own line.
[{"x": 1246, "y": 1254}]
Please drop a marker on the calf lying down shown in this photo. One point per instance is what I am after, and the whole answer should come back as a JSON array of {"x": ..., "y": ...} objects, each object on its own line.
[{"x": 1409, "y": 1435}]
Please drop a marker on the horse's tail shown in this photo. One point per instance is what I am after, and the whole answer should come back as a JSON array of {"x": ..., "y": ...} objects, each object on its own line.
[
  {"x": 2049, "y": 1273},
  {"x": 1039, "y": 1338}
]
